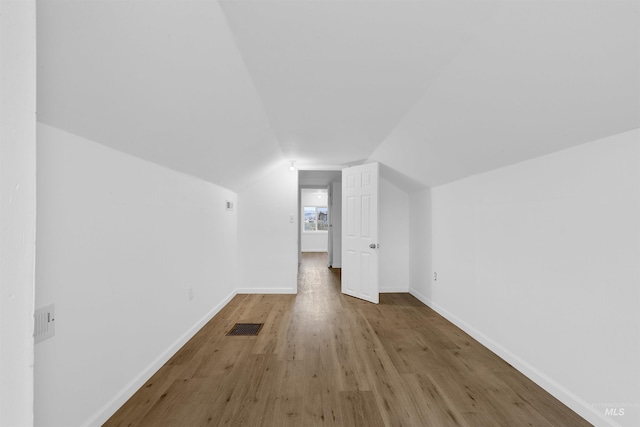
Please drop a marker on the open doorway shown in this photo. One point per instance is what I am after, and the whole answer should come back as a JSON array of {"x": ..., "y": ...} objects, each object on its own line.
[
  {"x": 320, "y": 193},
  {"x": 314, "y": 219}
]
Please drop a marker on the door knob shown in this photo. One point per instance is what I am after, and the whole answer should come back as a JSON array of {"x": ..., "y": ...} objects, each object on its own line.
[{"x": 373, "y": 246}]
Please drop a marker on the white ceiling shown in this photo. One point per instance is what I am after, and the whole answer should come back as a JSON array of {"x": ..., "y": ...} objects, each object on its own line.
[
  {"x": 540, "y": 77},
  {"x": 162, "y": 80},
  {"x": 435, "y": 90}
]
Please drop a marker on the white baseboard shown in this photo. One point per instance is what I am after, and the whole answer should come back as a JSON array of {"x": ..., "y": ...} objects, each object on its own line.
[
  {"x": 259, "y": 291},
  {"x": 577, "y": 404},
  {"x": 393, "y": 290},
  {"x": 110, "y": 408}
]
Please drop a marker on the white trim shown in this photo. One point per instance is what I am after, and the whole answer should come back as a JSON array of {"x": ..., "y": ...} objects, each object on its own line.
[
  {"x": 304, "y": 167},
  {"x": 577, "y": 404},
  {"x": 258, "y": 291},
  {"x": 110, "y": 408},
  {"x": 393, "y": 290}
]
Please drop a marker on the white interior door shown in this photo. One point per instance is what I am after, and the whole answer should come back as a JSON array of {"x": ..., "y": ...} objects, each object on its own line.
[{"x": 360, "y": 232}]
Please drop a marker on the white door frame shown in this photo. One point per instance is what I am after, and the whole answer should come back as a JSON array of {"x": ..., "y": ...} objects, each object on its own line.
[{"x": 318, "y": 168}]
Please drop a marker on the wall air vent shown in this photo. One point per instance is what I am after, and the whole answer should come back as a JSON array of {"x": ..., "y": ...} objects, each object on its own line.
[{"x": 45, "y": 325}]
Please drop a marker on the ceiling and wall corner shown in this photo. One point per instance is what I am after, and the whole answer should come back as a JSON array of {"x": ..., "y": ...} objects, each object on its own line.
[{"x": 434, "y": 90}]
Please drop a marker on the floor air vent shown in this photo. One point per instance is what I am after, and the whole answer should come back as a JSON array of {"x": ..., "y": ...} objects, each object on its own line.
[{"x": 245, "y": 329}]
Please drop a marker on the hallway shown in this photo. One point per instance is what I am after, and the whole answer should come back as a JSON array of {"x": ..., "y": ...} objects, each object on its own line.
[{"x": 323, "y": 358}]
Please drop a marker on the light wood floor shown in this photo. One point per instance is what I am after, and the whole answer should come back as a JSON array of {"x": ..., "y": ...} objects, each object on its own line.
[{"x": 323, "y": 358}]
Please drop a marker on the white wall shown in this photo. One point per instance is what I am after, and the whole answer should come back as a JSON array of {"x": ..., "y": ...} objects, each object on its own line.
[
  {"x": 316, "y": 241},
  {"x": 420, "y": 242},
  {"x": 540, "y": 262},
  {"x": 394, "y": 238},
  {"x": 17, "y": 209},
  {"x": 315, "y": 197},
  {"x": 336, "y": 224},
  {"x": 120, "y": 243},
  {"x": 313, "y": 241},
  {"x": 268, "y": 235}
]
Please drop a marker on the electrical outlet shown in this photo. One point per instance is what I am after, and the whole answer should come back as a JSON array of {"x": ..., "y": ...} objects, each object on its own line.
[
  {"x": 190, "y": 294},
  {"x": 290, "y": 219},
  {"x": 435, "y": 276}
]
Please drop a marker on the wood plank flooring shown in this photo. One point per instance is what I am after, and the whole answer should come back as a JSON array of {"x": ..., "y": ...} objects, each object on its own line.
[{"x": 325, "y": 359}]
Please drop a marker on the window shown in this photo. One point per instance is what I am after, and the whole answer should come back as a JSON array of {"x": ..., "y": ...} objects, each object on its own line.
[{"x": 316, "y": 218}]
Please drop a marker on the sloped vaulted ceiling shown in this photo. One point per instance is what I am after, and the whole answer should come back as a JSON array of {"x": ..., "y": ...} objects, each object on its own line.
[
  {"x": 336, "y": 77},
  {"x": 436, "y": 90},
  {"x": 539, "y": 77},
  {"x": 162, "y": 80}
]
